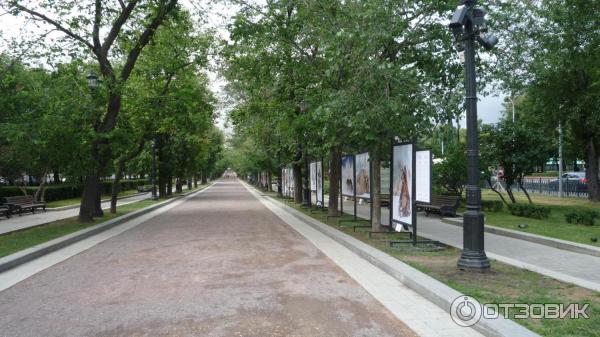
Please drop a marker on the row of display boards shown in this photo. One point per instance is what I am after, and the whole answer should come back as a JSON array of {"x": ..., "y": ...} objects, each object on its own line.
[{"x": 410, "y": 173}]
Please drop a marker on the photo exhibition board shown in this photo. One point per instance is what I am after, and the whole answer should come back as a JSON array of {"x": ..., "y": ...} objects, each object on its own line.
[
  {"x": 319, "y": 180},
  {"x": 402, "y": 185},
  {"x": 423, "y": 176},
  {"x": 348, "y": 175},
  {"x": 291, "y": 182},
  {"x": 363, "y": 176},
  {"x": 313, "y": 176},
  {"x": 284, "y": 185}
]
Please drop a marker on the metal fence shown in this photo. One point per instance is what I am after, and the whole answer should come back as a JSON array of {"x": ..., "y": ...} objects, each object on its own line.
[{"x": 549, "y": 186}]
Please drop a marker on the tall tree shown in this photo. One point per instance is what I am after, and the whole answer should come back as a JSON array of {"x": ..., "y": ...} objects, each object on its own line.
[
  {"x": 97, "y": 27},
  {"x": 554, "y": 54}
]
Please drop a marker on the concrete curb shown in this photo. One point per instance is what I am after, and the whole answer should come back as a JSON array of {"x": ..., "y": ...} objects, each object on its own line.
[
  {"x": 542, "y": 240},
  {"x": 426, "y": 286},
  {"x": 29, "y": 254},
  {"x": 64, "y": 208}
]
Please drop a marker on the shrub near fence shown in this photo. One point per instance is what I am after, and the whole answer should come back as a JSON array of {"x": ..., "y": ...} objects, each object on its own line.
[
  {"x": 587, "y": 218},
  {"x": 68, "y": 191},
  {"x": 529, "y": 211}
]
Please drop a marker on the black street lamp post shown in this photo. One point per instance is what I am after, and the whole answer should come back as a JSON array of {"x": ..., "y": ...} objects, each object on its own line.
[
  {"x": 305, "y": 177},
  {"x": 280, "y": 167},
  {"x": 93, "y": 83},
  {"x": 154, "y": 195},
  {"x": 467, "y": 25}
]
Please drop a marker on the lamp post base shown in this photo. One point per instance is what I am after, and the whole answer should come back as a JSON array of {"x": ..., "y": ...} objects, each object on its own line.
[
  {"x": 473, "y": 257},
  {"x": 474, "y": 261}
]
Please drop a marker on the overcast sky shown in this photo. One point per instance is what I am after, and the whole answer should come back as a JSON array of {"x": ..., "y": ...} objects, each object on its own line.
[{"x": 218, "y": 16}]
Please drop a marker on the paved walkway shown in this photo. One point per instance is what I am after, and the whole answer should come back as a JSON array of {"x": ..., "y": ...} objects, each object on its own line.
[
  {"x": 39, "y": 218},
  {"x": 217, "y": 264},
  {"x": 580, "y": 269}
]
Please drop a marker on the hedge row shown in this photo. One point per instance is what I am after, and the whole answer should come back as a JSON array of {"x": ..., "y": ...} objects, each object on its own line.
[
  {"x": 586, "y": 217},
  {"x": 529, "y": 211},
  {"x": 68, "y": 191}
]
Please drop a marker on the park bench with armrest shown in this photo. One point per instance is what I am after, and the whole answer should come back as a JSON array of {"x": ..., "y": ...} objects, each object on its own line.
[
  {"x": 385, "y": 199},
  {"x": 5, "y": 210},
  {"x": 442, "y": 204},
  {"x": 23, "y": 203}
]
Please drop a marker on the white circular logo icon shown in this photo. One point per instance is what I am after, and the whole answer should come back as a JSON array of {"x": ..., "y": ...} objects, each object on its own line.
[{"x": 465, "y": 311}]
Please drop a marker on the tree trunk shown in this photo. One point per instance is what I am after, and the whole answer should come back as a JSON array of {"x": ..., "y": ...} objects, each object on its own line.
[
  {"x": 162, "y": 187},
  {"x": 189, "y": 184},
  {"x": 56, "y": 176},
  {"x": 195, "y": 181},
  {"x": 88, "y": 198},
  {"x": 114, "y": 193},
  {"x": 297, "y": 168},
  {"x": 489, "y": 181},
  {"x": 39, "y": 193},
  {"x": 178, "y": 185},
  {"x": 204, "y": 178},
  {"x": 509, "y": 191},
  {"x": 269, "y": 182},
  {"x": 116, "y": 186},
  {"x": 520, "y": 182},
  {"x": 98, "y": 212},
  {"x": 280, "y": 182},
  {"x": 169, "y": 186},
  {"x": 335, "y": 158},
  {"x": 591, "y": 170},
  {"x": 376, "y": 194}
]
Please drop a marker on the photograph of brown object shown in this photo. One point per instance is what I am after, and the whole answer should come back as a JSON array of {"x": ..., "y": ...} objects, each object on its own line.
[
  {"x": 402, "y": 191},
  {"x": 362, "y": 182}
]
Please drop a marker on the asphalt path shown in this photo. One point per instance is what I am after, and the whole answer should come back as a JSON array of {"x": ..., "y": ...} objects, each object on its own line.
[{"x": 219, "y": 264}]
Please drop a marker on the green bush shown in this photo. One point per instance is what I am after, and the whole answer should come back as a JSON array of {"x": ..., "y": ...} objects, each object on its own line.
[
  {"x": 492, "y": 205},
  {"x": 529, "y": 211},
  {"x": 68, "y": 191},
  {"x": 583, "y": 217}
]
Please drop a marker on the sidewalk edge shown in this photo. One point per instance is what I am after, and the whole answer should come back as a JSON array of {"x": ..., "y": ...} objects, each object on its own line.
[
  {"x": 426, "y": 286},
  {"x": 64, "y": 208}
]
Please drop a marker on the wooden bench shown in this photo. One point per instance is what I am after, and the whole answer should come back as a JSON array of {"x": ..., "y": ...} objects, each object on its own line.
[
  {"x": 442, "y": 204},
  {"x": 23, "y": 203},
  {"x": 144, "y": 188},
  {"x": 5, "y": 210},
  {"x": 385, "y": 199}
]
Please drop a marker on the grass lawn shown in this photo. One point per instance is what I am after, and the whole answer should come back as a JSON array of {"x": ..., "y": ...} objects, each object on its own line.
[
  {"x": 76, "y": 201},
  {"x": 16, "y": 241},
  {"x": 555, "y": 226},
  {"x": 503, "y": 284}
]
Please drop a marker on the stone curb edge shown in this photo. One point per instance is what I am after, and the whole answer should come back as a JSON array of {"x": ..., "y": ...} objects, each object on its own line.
[
  {"x": 542, "y": 240},
  {"x": 426, "y": 286},
  {"x": 32, "y": 253},
  {"x": 64, "y": 208}
]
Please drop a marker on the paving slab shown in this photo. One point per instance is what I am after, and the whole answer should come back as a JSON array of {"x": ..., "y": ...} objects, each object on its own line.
[{"x": 218, "y": 264}]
